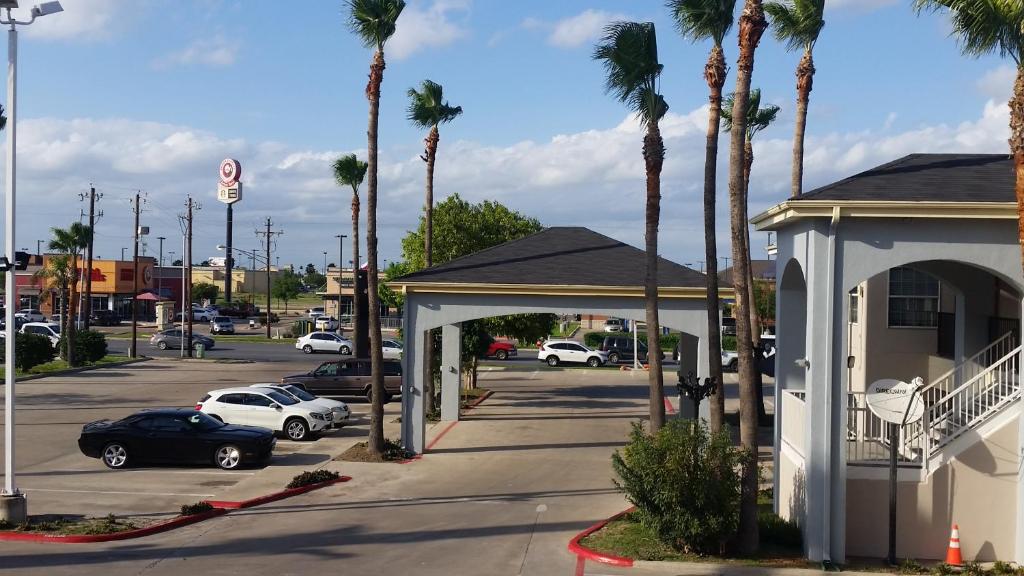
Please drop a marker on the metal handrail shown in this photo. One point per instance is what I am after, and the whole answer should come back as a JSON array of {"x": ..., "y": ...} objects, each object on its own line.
[{"x": 1002, "y": 343}]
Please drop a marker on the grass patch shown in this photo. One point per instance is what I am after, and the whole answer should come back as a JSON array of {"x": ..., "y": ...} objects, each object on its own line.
[
  {"x": 72, "y": 526},
  {"x": 58, "y": 365},
  {"x": 569, "y": 329},
  {"x": 360, "y": 452}
]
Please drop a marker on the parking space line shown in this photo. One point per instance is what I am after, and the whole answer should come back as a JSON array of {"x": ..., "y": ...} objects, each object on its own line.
[{"x": 120, "y": 493}]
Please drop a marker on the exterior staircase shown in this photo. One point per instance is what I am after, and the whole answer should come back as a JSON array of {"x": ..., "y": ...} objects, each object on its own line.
[{"x": 962, "y": 400}]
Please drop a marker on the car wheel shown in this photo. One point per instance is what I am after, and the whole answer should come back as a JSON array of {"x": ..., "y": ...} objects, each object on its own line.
[
  {"x": 115, "y": 455},
  {"x": 162, "y": 345},
  {"x": 734, "y": 365},
  {"x": 552, "y": 360},
  {"x": 345, "y": 350},
  {"x": 613, "y": 357},
  {"x": 307, "y": 349},
  {"x": 501, "y": 355},
  {"x": 296, "y": 429},
  {"x": 593, "y": 361},
  {"x": 228, "y": 457}
]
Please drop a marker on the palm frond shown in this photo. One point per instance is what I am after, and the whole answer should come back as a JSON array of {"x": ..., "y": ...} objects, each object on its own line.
[
  {"x": 629, "y": 54},
  {"x": 70, "y": 240},
  {"x": 374, "y": 21},
  {"x": 796, "y": 22},
  {"x": 984, "y": 26},
  {"x": 757, "y": 118},
  {"x": 349, "y": 171},
  {"x": 703, "y": 19},
  {"x": 3, "y": 118},
  {"x": 427, "y": 107}
]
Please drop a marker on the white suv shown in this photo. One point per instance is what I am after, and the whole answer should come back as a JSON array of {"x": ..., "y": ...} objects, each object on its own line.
[
  {"x": 49, "y": 329},
  {"x": 554, "y": 352},
  {"x": 340, "y": 412},
  {"x": 267, "y": 409}
]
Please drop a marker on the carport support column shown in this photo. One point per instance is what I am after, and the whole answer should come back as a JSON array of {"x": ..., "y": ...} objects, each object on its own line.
[{"x": 451, "y": 372}]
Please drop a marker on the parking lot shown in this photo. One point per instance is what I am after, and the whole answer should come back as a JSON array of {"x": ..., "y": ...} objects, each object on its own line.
[{"x": 58, "y": 479}]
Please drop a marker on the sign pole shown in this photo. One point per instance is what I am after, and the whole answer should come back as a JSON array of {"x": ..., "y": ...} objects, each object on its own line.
[
  {"x": 228, "y": 262},
  {"x": 894, "y": 438}
]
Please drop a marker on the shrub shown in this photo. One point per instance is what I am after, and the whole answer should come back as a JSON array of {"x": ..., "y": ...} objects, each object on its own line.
[
  {"x": 394, "y": 451},
  {"x": 684, "y": 482},
  {"x": 31, "y": 350},
  {"x": 1000, "y": 567},
  {"x": 197, "y": 508},
  {"x": 595, "y": 339},
  {"x": 90, "y": 346},
  {"x": 779, "y": 532},
  {"x": 729, "y": 343},
  {"x": 315, "y": 477},
  {"x": 301, "y": 328}
]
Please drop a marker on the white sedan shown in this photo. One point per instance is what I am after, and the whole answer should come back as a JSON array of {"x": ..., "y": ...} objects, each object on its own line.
[
  {"x": 325, "y": 323},
  {"x": 340, "y": 411},
  {"x": 324, "y": 342},
  {"x": 392, "y": 349},
  {"x": 267, "y": 409}
]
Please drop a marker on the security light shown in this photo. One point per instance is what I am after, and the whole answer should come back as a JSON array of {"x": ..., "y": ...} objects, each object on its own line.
[
  {"x": 220, "y": 246},
  {"x": 8, "y": 4},
  {"x": 46, "y": 8}
]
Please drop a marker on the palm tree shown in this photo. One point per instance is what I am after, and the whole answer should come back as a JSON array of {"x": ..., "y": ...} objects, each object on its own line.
[
  {"x": 758, "y": 119},
  {"x": 70, "y": 242},
  {"x": 350, "y": 171},
  {"x": 798, "y": 23},
  {"x": 427, "y": 109},
  {"x": 629, "y": 52},
  {"x": 58, "y": 275},
  {"x": 703, "y": 20},
  {"x": 751, "y": 26},
  {"x": 986, "y": 27},
  {"x": 374, "y": 21}
]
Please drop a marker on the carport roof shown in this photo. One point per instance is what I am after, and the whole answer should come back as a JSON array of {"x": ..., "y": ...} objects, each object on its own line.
[{"x": 559, "y": 258}]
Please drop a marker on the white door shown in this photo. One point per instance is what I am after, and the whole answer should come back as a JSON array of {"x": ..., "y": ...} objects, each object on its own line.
[
  {"x": 261, "y": 411},
  {"x": 324, "y": 343},
  {"x": 577, "y": 353},
  {"x": 231, "y": 409}
]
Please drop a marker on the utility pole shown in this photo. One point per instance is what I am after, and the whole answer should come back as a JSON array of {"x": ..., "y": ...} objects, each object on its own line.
[
  {"x": 159, "y": 268},
  {"x": 341, "y": 266},
  {"x": 187, "y": 312},
  {"x": 87, "y": 312},
  {"x": 268, "y": 238},
  {"x": 135, "y": 281}
]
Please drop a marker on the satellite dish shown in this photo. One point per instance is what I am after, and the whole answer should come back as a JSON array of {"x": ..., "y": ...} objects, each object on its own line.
[{"x": 891, "y": 400}]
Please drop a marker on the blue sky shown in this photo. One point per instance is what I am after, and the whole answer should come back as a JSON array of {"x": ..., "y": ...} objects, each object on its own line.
[{"x": 152, "y": 94}]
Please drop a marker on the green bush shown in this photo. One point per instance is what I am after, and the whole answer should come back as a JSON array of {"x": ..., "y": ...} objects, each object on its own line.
[
  {"x": 31, "y": 350},
  {"x": 779, "y": 532},
  {"x": 197, "y": 508},
  {"x": 90, "y": 346},
  {"x": 729, "y": 343},
  {"x": 684, "y": 482},
  {"x": 315, "y": 477},
  {"x": 595, "y": 339},
  {"x": 301, "y": 328}
]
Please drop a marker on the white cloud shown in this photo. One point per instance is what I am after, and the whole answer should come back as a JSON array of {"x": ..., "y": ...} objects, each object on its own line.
[
  {"x": 998, "y": 82},
  {"x": 81, "y": 20},
  {"x": 216, "y": 52},
  {"x": 581, "y": 28},
  {"x": 431, "y": 27}
]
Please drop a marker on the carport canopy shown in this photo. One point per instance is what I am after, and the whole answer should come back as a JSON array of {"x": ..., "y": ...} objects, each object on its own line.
[{"x": 559, "y": 270}]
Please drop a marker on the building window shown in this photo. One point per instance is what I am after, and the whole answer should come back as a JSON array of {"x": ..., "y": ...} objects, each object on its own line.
[
  {"x": 913, "y": 299},
  {"x": 126, "y": 274},
  {"x": 854, "y": 306}
]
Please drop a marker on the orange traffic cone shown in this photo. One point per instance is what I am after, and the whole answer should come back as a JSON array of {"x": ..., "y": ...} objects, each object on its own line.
[{"x": 953, "y": 557}]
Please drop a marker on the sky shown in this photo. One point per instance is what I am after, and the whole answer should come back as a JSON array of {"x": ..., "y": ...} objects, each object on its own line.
[{"x": 150, "y": 95}]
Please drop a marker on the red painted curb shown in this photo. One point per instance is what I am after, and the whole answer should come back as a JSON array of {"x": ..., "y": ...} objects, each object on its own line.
[
  {"x": 582, "y": 552},
  {"x": 236, "y": 505},
  {"x": 479, "y": 400},
  {"x": 220, "y": 507},
  {"x": 176, "y": 522}
]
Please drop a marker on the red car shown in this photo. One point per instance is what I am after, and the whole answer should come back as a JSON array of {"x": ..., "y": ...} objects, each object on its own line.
[{"x": 502, "y": 350}]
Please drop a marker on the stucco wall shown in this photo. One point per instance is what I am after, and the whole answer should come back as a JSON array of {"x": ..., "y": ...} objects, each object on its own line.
[
  {"x": 977, "y": 490},
  {"x": 792, "y": 495}
]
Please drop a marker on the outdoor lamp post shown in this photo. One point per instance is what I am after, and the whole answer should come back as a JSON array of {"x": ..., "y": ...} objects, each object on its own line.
[
  {"x": 341, "y": 266},
  {"x": 13, "y": 506}
]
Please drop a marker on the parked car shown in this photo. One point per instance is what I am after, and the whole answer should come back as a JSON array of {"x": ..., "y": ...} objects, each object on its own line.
[
  {"x": 266, "y": 408},
  {"x": 175, "y": 435},
  {"x": 325, "y": 323},
  {"x": 104, "y": 318},
  {"x": 315, "y": 312},
  {"x": 30, "y": 315},
  {"x": 728, "y": 326},
  {"x": 222, "y": 325},
  {"x": 324, "y": 342},
  {"x": 340, "y": 412},
  {"x": 201, "y": 315},
  {"x": 613, "y": 325},
  {"x": 502, "y": 350},
  {"x": 555, "y": 352},
  {"x": 620, "y": 349},
  {"x": 730, "y": 360},
  {"x": 49, "y": 329},
  {"x": 392, "y": 349},
  {"x": 172, "y": 337},
  {"x": 348, "y": 378}
]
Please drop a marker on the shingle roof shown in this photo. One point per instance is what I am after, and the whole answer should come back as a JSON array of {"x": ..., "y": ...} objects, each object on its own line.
[
  {"x": 928, "y": 177},
  {"x": 559, "y": 256},
  {"x": 761, "y": 270}
]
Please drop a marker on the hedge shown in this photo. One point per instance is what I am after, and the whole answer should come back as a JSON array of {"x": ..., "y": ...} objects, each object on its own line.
[{"x": 595, "y": 339}]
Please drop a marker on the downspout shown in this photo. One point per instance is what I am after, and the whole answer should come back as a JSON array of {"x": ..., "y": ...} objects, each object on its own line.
[{"x": 833, "y": 229}]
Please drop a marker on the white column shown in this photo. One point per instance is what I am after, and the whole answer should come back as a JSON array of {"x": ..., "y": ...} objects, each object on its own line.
[
  {"x": 1019, "y": 538},
  {"x": 413, "y": 417},
  {"x": 10, "y": 487},
  {"x": 451, "y": 360}
]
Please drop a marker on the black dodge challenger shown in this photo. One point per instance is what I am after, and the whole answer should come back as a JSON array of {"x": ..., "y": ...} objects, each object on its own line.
[{"x": 175, "y": 435}]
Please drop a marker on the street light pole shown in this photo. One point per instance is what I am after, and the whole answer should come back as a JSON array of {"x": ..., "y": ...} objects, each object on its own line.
[
  {"x": 13, "y": 505},
  {"x": 341, "y": 266}
]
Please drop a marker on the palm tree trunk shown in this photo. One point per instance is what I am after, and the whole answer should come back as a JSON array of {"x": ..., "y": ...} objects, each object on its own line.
[
  {"x": 1017, "y": 148},
  {"x": 714, "y": 73},
  {"x": 751, "y": 27},
  {"x": 376, "y": 437},
  {"x": 755, "y": 316},
  {"x": 804, "y": 82},
  {"x": 69, "y": 328},
  {"x": 428, "y": 259},
  {"x": 357, "y": 319},
  {"x": 654, "y": 157}
]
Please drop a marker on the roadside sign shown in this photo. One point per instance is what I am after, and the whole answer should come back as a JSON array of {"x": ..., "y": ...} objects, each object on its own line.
[
  {"x": 230, "y": 171},
  {"x": 229, "y": 194},
  {"x": 892, "y": 400}
]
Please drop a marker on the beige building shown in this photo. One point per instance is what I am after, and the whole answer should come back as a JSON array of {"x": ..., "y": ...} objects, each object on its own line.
[{"x": 242, "y": 280}]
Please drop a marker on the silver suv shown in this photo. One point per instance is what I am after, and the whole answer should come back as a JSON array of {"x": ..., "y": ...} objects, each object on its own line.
[{"x": 222, "y": 325}]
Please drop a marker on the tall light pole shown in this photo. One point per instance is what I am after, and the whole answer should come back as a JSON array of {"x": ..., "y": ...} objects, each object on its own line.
[
  {"x": 325, "y": 263},
  {"x": 341, "y": 266},
  {"x": 13, "y": 505}
]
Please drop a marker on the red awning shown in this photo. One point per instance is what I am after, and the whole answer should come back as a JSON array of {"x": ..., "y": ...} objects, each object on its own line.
[{"x": 151, "y": 296}]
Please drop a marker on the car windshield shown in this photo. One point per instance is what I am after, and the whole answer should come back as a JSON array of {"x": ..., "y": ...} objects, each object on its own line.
[
  {"x": 55, "y": 328},
  {"x": 300, "y": 393},
  {"x": 222, "y": 319},
  {"x": 201, "y": 421},
  {"x": 280, "y": 398}
]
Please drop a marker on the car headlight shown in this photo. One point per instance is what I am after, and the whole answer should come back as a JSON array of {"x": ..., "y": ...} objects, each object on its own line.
[{"x": 316, "y": 415}]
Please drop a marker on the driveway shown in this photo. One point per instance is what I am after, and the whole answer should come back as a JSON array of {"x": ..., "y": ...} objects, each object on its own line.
[{"x": 501, "y": 492}]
